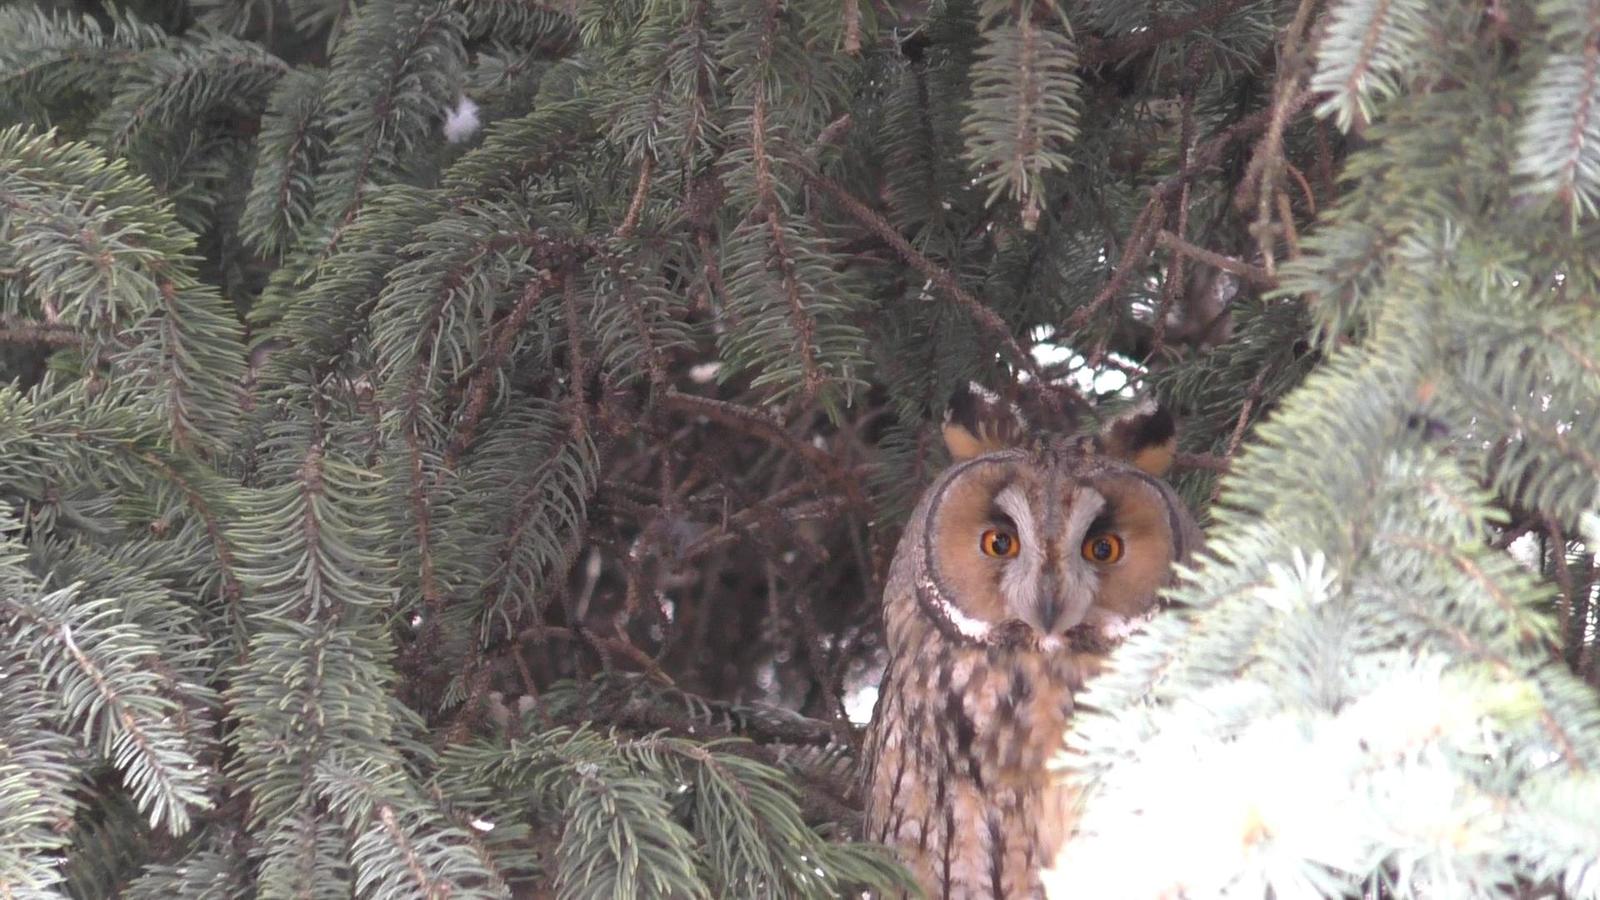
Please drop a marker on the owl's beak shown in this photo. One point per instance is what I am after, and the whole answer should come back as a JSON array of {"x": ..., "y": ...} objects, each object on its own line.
[
  {"x": 1052, "y": 606},
  {"x": 1050, "y": 610},
  {"x": 1054, "y": 612}
]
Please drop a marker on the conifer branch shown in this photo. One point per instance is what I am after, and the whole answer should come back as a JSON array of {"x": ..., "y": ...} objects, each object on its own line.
[
  {"x": 280, "y": 201},
  {"x": 1559, "y": 134},
  {"x": 1025, "y": 112},
  {"x": 105, "y": 695},
  {"x": 1588, "y": 360},
  {"x": 420, "y": 876},
  {"x": 534, "y": 545},
  {"x": 1467, "y": 566},
  {"x": 653, "y": 352},
  {"x": 575, "y": 361},
  {"x": 215, "y": 69},
  {"x": 1359, "y": 67},
  {"x": 768, "y": 207},
  {"x": 377, "y": 84},
  {"x": 1555, "y": 437},
  {"x": 202, "y": 506},
  {"x": 592, "y": 352},
  {"x": 1363, "y": 51},
  {"x": 477, "y": 678},
  {"x": 505, "y": 333},
  {"x": 421, "y": 505}
]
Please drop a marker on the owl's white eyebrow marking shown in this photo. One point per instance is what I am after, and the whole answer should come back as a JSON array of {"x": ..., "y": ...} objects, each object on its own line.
[
  {"x": 1087, "y": 504},
  {"x": 1014, "y": 503},
  {"x": 1019, "y": 581}
]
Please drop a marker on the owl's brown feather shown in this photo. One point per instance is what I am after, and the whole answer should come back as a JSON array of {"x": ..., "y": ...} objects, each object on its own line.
[{"x": 961, "y": 780}]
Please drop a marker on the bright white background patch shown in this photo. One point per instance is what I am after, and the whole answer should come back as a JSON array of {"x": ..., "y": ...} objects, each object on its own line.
[{"x": 461, "y": 123}]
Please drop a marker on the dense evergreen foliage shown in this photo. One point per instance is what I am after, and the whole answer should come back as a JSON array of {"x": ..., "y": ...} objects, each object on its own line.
[{"x": 451, "y": 448}]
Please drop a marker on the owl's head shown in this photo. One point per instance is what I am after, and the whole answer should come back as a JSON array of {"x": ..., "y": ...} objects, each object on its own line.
[{"x": 1044, "y": 533}]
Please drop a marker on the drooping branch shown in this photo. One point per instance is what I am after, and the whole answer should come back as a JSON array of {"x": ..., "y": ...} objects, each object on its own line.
[
  {"x": 769, "y": 208},
  {"x": 986, "y": 318}
]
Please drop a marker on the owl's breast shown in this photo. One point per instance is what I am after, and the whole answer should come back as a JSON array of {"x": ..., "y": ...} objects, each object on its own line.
[{"x": 958, "y": 760}]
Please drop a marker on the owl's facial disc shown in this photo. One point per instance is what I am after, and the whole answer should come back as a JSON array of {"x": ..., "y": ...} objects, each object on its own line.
[{"x": 1048, "y": 548}]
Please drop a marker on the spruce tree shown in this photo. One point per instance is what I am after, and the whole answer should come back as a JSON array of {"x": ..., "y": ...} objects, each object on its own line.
[{"x": 452, "y": 448}]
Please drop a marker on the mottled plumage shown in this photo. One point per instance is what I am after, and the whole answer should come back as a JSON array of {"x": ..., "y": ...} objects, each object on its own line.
[{"x": 1017, "y": 571}]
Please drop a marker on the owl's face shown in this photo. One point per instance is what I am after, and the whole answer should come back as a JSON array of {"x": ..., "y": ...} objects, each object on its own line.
[{"x": 1053, "y": 538}]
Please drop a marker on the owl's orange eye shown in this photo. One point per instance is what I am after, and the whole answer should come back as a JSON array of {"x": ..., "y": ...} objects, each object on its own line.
[
  {"x": 1102, "y": 548},
  {"x": 999, "y": 543}
]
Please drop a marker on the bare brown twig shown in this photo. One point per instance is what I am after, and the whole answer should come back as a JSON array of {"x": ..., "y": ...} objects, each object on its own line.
[
  {"x": 1254, "y": 275},
  {"x": 986, "y": 318},
  {"x": 1267, "y": 162},
  {"x": 618, "y": 644},
  {"x": 1096, "y": 53},
  {"x": 1251, "y": 398},
  {"x": 25, "y": 331},
  {"x": 641, "y": 190},
  {"x": 1207, "y": 461},
  {"x": 1174, "y": 280}
]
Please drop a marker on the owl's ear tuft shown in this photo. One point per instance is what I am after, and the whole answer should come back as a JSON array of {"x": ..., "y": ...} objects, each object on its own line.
[
  {"x": 980, "y": 421},
  {"x": 1146, "y": 436}
]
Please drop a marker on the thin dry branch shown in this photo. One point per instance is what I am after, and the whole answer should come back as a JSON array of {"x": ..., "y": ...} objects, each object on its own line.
[
  {"x": 1210, "y": 462},
  {"x": 1134, "y": 252},
  {"x": 619, "y": 645},
  {"x": 1251, "y": 398},
  {"x": 1267, "y": 163},
  {"x": 1174, "y": 280},
  {"x": 1254, "y": 275},
  {"x": 641, "y": 190},
  {"x": 758, "y": 424},
  {"x": 1160, "y": 31},
  {"x": 26, "y": 331},
  {"x": 946, "y": 283},
  {"x": 1147, "y": 226}
]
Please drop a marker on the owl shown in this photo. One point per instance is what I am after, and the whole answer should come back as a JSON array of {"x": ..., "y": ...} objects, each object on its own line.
[{"x": 1019, "y": 568}]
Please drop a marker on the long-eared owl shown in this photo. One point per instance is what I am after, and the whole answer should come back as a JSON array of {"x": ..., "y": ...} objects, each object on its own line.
[{"x": 1016, "y": 572}]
